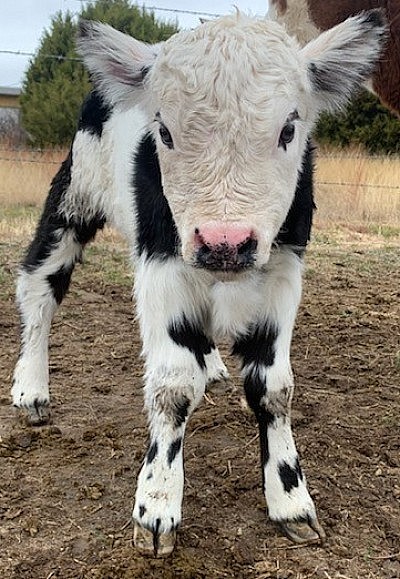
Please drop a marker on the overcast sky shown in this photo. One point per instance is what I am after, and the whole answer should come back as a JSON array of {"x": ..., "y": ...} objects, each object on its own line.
[{"x": 22, "y": 23}]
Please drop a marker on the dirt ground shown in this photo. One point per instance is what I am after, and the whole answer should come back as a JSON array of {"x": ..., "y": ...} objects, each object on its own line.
[{"x": 66, "y": 490}]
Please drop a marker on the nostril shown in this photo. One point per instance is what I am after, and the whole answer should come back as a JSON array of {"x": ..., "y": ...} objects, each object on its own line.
[
  {"x": 248, "y": 246},
  {"x": 199, "y": 239}
]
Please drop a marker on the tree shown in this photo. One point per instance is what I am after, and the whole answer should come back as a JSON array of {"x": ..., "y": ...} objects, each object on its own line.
[
  {"x": 137, "y": 22},
  {"x": 366, "y": 123},
  {"x": 56, "y": 81}
]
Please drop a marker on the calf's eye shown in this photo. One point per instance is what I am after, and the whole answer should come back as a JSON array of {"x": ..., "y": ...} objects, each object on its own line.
[
  {"x": 166, "y": 137},
  {"x": 287, "y": 135}
]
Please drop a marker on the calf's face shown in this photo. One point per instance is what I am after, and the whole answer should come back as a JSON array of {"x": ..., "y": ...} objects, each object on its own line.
[
  {"x": 231, "y": 105},
  {"x": 231, "y": 125}
]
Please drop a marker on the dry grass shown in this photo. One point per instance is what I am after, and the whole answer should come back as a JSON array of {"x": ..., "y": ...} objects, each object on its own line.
[
  {"x": 25, "y": 176},
  {"x": 354, "y": 191}
]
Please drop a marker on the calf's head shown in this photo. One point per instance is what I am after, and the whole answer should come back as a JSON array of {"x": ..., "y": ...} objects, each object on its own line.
[{"x": 231, "y": 105}]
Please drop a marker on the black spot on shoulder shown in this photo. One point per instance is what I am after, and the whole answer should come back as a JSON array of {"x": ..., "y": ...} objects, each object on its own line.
[
  {"x": 296, "y": 229},
  {"x": 157, "y": 233},
  {"x": 173, "y": 450},
  {"x": 290, "y": 476},
  {"x": 152, "y": 452},
  {"x": 142, "y": 510},
  {"x": 94, "y": 114},
  {"x": 190, "y": 335}
]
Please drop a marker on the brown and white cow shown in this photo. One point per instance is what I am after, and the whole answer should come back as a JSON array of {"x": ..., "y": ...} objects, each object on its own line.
[{"x": 306, "y": 19}]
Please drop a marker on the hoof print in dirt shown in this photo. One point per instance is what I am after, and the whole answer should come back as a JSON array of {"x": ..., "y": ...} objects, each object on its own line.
[
  {"x": 152, "y": 544},
  {"x": 304, "y": 531}
]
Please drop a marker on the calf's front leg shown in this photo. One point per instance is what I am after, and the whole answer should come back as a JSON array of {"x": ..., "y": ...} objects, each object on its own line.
[
  {"x": 268, "y": 382},
  {"x": 175, "y": 347}
]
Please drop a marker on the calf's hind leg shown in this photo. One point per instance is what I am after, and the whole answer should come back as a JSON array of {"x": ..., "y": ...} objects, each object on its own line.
[{"x": 43, "y": 281}]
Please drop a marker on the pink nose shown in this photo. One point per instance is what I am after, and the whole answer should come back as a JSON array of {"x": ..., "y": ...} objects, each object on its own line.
[
  {"x": 222, "y": 247},
  {"x": 216, "y": 234}
]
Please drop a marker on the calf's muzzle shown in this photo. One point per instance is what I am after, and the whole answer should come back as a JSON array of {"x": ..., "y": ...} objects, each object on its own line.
[{"x": 226, "y": 248}]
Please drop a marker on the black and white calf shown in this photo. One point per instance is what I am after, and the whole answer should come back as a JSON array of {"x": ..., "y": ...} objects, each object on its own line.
[{"x": 197, "y": 150}]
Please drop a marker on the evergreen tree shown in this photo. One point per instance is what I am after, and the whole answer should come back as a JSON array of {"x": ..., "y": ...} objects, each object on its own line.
[
  {"x": 54, "y": 86},
  {"x": 366, "y": 123},
  {"x": 132, "y": 20},
  {"x": 56, "y": 81}
]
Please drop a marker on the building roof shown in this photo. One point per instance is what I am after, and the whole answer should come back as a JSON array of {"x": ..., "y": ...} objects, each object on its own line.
[{"x": 10, "y": 90}]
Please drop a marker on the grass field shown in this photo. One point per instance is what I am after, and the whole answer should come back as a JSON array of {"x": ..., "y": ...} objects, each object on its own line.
[
  {"x": 356, "y": 190},
  {"x": 25, "y": 175}
]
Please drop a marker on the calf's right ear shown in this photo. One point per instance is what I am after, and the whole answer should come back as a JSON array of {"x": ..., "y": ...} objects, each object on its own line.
[
  {"x": 343, "y": 57},
  {"x": 117, "y": 63}
]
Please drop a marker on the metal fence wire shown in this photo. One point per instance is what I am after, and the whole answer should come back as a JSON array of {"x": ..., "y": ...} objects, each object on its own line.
[
  {"x": 18, "y": 155},
  {"x": 62, "y": 57}
]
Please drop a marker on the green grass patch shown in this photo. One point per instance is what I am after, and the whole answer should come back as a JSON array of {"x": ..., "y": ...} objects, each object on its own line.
[
  {"x": 19, "y": 212},
  {"x": 385, "y": 231},
  {"x": 109, "y": 263}
]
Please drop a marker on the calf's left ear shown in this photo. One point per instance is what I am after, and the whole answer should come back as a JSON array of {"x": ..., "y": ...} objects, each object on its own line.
[
  {"x": 340, "y": 59},
  {"x": 117, "y": 63}
]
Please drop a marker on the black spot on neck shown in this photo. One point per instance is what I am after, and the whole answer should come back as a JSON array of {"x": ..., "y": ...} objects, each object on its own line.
[
  {"x": 157, "y": 233},
  {"x": 296, "y": 229}
]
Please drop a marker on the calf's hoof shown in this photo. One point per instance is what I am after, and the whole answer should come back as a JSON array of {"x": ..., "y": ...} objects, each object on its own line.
[
  {"x": 304, "y": 531},
  {"x": 152, "y": 543},
  {"x": 37, "y": 414}
]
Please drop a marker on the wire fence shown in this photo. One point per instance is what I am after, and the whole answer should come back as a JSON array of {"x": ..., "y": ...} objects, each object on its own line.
[
  {"x": 348, "y": 156},
  {"x": 164, "y": 9},
  {"x": 41, "y": 157},
  {"x": 62, "y": 57}
]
